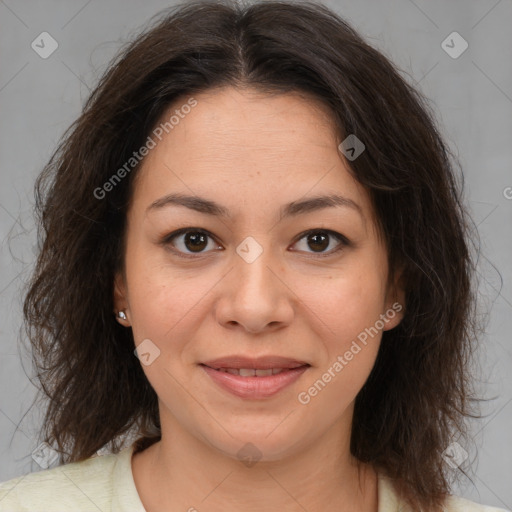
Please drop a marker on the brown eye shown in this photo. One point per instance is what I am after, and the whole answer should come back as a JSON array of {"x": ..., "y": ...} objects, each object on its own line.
[
  {"x": 195, "y": 241},
  {"x": 186, "y": 242},
  {"x": 318, "y": 241}
]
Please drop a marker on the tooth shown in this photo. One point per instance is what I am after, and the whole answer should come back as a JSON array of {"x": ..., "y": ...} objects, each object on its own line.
[
  {"x": 263, "y": 373},
  {"x": 251, "y": 372},
  {"x": 247, "y": 372}
]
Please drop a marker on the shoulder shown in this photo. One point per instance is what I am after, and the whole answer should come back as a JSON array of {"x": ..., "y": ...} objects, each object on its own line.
[
  {"x": 390, "y": 501},
  {"x": 85, "y": 485},
  {"x": 458, "y": 504}
]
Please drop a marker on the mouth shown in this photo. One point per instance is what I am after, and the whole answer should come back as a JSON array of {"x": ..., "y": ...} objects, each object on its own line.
[
  {"x": 254, "y": 378},
  {"x": 240, "y": 362},
  {"x": 251, "y": 372}
]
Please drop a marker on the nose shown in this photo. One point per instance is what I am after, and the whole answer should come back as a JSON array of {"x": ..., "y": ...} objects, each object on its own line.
[{"x": 254, "y": 295}]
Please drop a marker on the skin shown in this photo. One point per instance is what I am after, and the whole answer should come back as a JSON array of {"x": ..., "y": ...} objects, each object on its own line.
[{"x": 253, "y": 153}]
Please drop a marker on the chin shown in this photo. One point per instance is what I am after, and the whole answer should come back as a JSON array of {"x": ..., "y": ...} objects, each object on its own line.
[{"x": 261, "y": 445}]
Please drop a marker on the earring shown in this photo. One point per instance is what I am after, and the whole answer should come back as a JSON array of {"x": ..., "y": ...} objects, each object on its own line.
[{"x": 122, "y": 315}]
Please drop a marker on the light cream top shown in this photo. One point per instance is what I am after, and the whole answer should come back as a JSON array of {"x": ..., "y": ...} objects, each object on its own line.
[{"x": 105, "y": 483}]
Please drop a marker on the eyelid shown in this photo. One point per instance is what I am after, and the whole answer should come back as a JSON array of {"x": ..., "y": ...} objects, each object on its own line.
[
  {"x": 166, "y": 241},
  {"x": 342, "y": 239}
]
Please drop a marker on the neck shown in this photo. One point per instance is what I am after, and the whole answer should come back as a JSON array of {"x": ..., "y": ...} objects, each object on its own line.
[{"x": 181, "y": 472}]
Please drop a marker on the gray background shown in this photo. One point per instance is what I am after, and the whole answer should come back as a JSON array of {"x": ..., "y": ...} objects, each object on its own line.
[{"x": 471, "y": 96}]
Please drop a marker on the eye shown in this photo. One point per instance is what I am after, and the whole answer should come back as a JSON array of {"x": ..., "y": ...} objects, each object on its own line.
[
  {"x": 193, "y": 240},
  {"x": 320, "y": 240},
  {"x": 187, "y": 242}
]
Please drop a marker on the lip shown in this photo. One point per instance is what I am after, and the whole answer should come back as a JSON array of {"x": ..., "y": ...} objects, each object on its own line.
[
  {"x": 263, "y": 362},
  {"x": 256, "y": 388}
]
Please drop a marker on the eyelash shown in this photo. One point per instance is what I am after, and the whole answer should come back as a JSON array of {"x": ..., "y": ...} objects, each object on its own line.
[{"x": 166, "y": 241}]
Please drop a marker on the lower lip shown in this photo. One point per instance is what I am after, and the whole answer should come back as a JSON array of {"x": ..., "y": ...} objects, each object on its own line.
[{"x": 254, "y": 387}]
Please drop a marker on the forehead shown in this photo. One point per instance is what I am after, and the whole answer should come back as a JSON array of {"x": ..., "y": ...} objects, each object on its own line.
[
  {"x": 242, "y": 144},
  {"x": 231, "y": 123}
]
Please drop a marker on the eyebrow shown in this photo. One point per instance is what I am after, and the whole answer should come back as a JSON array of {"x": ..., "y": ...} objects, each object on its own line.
[{"x": 208, "y": 207}]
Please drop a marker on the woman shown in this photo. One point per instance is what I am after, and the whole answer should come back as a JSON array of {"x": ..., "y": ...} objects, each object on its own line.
[{"x": 256, "y": 259}]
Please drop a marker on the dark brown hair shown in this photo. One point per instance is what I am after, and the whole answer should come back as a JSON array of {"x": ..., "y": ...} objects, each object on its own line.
[{"x": 419, "y": 392}]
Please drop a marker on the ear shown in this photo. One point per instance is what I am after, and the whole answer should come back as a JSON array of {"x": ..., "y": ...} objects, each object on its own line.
[
  {"x": 120, "y": 300},
  {"x": 395, "y": 301}
]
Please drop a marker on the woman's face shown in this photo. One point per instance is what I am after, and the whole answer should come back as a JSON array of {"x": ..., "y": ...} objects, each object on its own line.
[{"x": 263, "y": 277}]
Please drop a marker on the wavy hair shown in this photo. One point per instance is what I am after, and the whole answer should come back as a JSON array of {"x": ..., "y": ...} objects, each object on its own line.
[{"x": 419, "y": 391}]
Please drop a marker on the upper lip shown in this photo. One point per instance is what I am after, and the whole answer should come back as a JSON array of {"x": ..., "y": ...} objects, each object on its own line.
[{"x": 262, "y": 363}]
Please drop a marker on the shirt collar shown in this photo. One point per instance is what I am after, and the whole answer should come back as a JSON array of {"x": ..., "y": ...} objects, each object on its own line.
[{"x": 126, "y": 498}]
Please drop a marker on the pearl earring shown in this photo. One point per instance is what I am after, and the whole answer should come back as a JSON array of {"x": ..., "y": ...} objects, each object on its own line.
[{"x": 122, "y": 315}]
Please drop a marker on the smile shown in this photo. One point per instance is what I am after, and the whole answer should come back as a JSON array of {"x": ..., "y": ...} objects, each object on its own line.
[
  {"x": 250, "y": 372},
  {"x": 251, "y": 383}
]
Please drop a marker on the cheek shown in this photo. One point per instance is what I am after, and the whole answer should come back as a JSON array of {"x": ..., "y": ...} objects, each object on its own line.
[
  {"x": 345, "y": 304},
  {"x": 162, "y": 306},
  {"x": 350, "y": 308},
  {"x": 347, "y": 310},
  {"x": 161, "y": 299}
]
